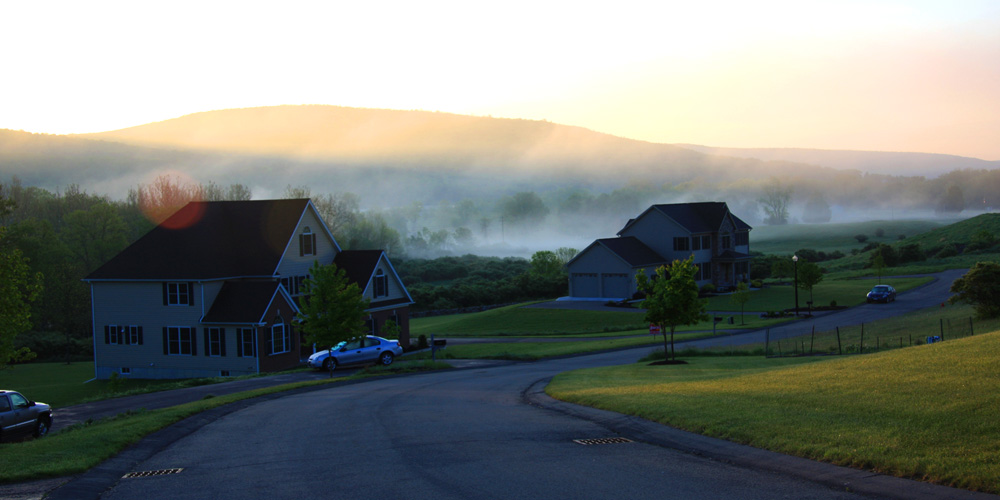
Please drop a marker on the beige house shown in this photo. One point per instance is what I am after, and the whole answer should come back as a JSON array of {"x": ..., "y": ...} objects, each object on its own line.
[
  {"x": 213, "y": 291},
  {"x": 719, "y": 241}
]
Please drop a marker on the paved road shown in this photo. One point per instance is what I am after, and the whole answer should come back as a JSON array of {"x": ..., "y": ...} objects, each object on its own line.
[{"x": 469, "y": 434}]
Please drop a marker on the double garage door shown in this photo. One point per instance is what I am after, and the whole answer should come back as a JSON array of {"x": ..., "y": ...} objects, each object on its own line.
[{"x": 602, "y": 285}]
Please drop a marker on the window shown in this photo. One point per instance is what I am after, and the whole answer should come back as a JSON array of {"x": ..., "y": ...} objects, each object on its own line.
[
  {"x": 178, "y": 294},
  {"x": 706, "y": 242},
  {"x": 307, "y": 242},
  {"x": 742, "y": 238},
  {"x": 372, "y": 325},
  {"x": 682, "y": 243},
  {"x": 295, "y": 285},
  {"x": 125, "y": 370},
  {"x": 134, "y": 335},
  {"x": 179, "y": 340},
  {"x": 727, "y": 242},
  {"x": 280, "y": 339},
  {"x": 215, "y": 341},
  {"x": 125, "y": 335},
  {"x": 246, "y": 347},
  {"x": 111, "y": 334},
  {"x": 696, "y": 243},
  {"x": 381, "y": 284},
  {"x": 705, "y": 269}
]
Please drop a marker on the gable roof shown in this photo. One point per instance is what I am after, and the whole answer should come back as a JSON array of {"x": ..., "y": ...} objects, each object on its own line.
[
  {"x": 245, "y": 302},
  {"x": 210, "y": 240},
  {"x": 360, "y": 266},
  {"x": 627, "y": 248},
  {"x": 701, "y": 217}
]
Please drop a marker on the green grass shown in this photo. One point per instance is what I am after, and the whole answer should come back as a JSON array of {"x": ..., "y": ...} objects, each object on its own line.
[
  {"x": 929, "y": 412},
  {"x": 833, "y": 237},
  {"x": 61, "y": 384},
  {"x": 517, "y": 321},
  {"x": 83, "y": 446},
  {"x": 847, "y": 292}
]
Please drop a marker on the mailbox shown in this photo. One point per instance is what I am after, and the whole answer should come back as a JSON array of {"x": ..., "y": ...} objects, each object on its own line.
[{"x": 440, "y": 343}]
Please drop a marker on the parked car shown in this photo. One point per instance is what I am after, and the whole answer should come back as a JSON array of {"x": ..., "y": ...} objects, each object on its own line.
[
  {"x": 882, "y": 293},
  {"x": 20, "y": 417},
  {"x": 375, "y": 350}
]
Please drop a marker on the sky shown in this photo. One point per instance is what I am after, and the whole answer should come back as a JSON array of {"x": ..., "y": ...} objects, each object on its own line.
[{"x": 912, "y": 75}]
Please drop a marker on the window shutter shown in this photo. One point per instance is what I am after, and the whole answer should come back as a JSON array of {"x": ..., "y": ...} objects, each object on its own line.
[
  {"x": 140, "y": 335},
  {"x": 205, "y": 332},
  {"x": 165, "y": 344},
  {"x": 164, "y": 293},
  {"x": 107, "y": 334},
  {"x": 270, "y": 342},
  {"x": 194, "y": 341},
  {"x": 222, "y": 341},
  {"x": 191, "y": 295},
  {"x": 313, "y": 238},
  {"x": 240, "y": 333},
  {"x": 124, "y": 335},
  {"x": 301, "y": 247}
]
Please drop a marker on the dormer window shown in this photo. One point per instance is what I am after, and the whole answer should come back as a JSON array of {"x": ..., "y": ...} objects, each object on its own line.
[
  {"x": 307, "y": 242},
  {"x": 381, "y": 284}
]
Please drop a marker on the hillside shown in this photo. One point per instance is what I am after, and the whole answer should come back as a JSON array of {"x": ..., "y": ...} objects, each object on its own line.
[{"x": 873, "y": 162}]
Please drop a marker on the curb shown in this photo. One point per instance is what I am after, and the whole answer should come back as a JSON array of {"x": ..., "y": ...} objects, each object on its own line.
[{"x": 838, "y": 478}]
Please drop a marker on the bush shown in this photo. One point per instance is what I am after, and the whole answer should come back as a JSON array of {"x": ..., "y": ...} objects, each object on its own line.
[
  {"x": 422, "y": 342},
  {"x": 981, "y": 288},
  {"x": 879, "y": 232},
  {"x": 861, "y": 238},
  {"x": 707, "y": 289},
  {"x": 756, "y": 283},
  {"x": 833, "y": 303},
  {"x": 948, "y": 251}
]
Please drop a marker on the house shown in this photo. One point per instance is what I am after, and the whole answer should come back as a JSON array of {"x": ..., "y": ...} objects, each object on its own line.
[
  {"x": 719, "y": 241},
  {"x": 213, "y": 291}
]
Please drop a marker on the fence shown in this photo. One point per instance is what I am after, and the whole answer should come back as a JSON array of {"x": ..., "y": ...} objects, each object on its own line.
[{"x": 866, "y": 339}]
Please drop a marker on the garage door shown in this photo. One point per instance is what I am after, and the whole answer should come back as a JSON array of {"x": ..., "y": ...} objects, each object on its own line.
[
  {"x": 586, "y": 285},
  {"x": 616, "y": 286}
]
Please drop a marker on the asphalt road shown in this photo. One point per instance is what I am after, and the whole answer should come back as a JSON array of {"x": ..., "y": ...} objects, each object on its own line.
[{"x": 478, "y": 433}]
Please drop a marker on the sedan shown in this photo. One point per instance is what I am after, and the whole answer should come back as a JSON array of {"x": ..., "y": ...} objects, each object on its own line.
[
  {"x": 882, "y": 293},
  {"x": 372, "y": 350},
  {"x": 20, "y": 418}
]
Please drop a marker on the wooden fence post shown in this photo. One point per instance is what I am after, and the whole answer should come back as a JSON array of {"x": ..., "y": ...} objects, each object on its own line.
[
  {"x": 767, "y": 343},
  {"x": 840, "y": 349},
  {"x": 812, "y": 339},
  {"x": 861, "y": 348}
]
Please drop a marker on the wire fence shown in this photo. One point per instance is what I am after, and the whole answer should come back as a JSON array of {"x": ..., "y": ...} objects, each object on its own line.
[{"x": 869, "y": 338}]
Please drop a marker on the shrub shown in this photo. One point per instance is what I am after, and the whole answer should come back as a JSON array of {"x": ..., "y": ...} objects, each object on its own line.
[
  {"x": 981, "y": 288},
  {"x": 879, "y": 232},
  {"x": 756, "y": 283},
  {"x": 948, "y": 251},
  {"x": 861, "y": 238},
  {"x": 422, "y": 342},
  {"x": 833, "y": 303},
  {"x": 707, "y": 288}
]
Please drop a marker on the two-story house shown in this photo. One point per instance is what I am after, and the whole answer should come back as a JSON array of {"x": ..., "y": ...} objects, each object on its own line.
[
  {"x": 719, "y": 241},
  {"x": 213, "y": 291}
]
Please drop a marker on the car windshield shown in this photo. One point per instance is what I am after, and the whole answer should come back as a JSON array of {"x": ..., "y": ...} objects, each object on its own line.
[{"x": 880, "y": 289}]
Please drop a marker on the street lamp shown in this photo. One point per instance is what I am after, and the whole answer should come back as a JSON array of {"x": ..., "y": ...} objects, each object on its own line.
[{"x": 795, "y": 264}]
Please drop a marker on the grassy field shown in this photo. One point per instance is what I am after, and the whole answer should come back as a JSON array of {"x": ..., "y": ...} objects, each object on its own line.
[
  {"x": 835, "y": 237},
  {"x": 929, "y": 412},
  {"x": 846, "y": 292}
]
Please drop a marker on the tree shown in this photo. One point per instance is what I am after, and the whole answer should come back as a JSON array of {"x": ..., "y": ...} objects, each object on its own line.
[
  {"x": 740, "y": 297},
  {"x": 523, "y": 208},
  {"x": 981, "y": 288},
  {"x": 166, "y": 195},
  {"x": 952, "y": 202},
  {"x": 817, "y": 210},
  {"x": 810, "y": 275},
  {"x": 672, "y": 299},
  {"x": 18, "y": 288},
  {"x": 546, "y": 264},
  {"x": 94, "y": 236},
  {"x": 332, "y": 309},
  {"x": 774, "y": 200},
  {"x": 878, "y": 263}
]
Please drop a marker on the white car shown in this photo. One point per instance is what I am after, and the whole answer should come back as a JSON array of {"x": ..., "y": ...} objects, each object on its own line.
[{"x": 374, "y": 350}]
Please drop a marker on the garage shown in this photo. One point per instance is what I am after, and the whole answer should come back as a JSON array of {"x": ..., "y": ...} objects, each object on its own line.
[
  {"x": 615, "y": 286},
  {"x": 585, "y": 285}
]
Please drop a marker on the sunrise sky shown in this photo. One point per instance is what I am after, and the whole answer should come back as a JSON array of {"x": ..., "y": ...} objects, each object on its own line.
[{"x": 873, "y": 75}]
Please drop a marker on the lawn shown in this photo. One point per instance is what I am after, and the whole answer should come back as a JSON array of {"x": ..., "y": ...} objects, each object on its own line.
[
  {"x": 929, "y": 412},
  {"x": 846, "y": 292},
  {"x": 788, "y": 239}
]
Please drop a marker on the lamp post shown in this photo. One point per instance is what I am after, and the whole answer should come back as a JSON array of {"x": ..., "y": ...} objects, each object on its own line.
[{"x": 795, "y": 264}]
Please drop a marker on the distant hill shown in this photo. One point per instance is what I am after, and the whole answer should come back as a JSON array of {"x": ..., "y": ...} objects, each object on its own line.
[
  {"x": 394, "y": 158},
  {"x": 875, "y": 162}
]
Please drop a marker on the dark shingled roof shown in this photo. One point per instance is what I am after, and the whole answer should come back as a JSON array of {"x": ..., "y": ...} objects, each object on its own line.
[
  {"x": 358, "y": 264},
  {"x": 242, "y": 302},
  {"x": 632, "y": 251},
  {"x": 731, "y": 255},
  {"x": 212, "y": 240},
  {"x": 702, "y": 217}
]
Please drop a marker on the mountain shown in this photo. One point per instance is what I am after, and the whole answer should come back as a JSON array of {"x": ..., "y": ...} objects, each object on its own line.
[{"x": 873, "y": 162}]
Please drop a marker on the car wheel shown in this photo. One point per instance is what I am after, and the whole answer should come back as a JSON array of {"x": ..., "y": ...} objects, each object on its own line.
[
  {"x": 385, "y": 359},
  {"x": 42, "y": 427}
]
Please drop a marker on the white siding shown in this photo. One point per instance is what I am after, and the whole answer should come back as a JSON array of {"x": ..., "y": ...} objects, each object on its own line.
[
  {"x": 597, "y": 272},
  {"x": 657, "y": 231},
  {"x": 292, "y": 264}
]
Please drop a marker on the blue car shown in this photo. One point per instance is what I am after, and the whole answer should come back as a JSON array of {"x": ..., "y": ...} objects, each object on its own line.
[
  {"x": 882, "y": 293},
  {"x": 373, "y": 350}
]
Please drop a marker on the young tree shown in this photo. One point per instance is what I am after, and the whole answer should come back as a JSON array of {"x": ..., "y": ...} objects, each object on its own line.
[
  {"x": 810, "y": 275},
  {"x": 332, "y": 309},
  {"x": 672, "y": 298},
  {"x": 740, "y": 297},
  {"x": 774, "y": 200},
  {"x": 981, "y": 288},
  {"x": 546, "y": 264}
]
